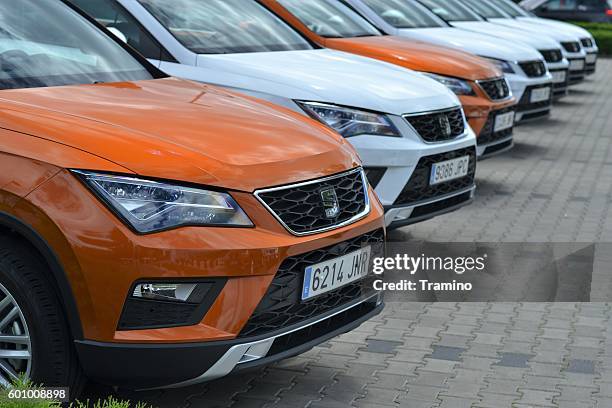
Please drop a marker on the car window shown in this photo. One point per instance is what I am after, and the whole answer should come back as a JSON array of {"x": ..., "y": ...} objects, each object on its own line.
[
  {"x": 451, "y": 10},
  {"x": 510, "y": 8},
  {"x": 46, "y": 43},
  {"x": 559, "y": 5},
  {"x": 330, "y": 19},
  {"x": 119, "y": 21},
  {"x": 592, "y": 5},
  {"x": 225, "y": 26},
  {"x": 484, "y": 9},
  {"x": 403, "y": 14}
]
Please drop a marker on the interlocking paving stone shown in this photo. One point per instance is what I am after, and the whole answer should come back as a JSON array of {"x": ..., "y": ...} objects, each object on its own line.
[
  {"x": 514, "y": 360},
  {"x": 581, "y": 366},
  {"x": 381, "y": 346},
  {"x": 447, "y": 353}
]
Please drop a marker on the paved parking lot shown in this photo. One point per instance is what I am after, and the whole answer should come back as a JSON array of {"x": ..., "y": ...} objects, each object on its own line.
[{"x": 556, "y": 186}]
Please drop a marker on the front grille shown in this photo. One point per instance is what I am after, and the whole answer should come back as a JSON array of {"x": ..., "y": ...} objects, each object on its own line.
[
  {"x": 495, "y": 89},
  {"x": 586, "y": 42},
  {"x": 525, "y": 104},
  {"x": 309, "y": 207},
  {"x": 571, "y": 46},
  {"x": 418, "y": 188},
  {"x": 533, "y": 69},
  {"x": 552, "y": 55},
  {"x": 487, "y": 134},
  {"x": 282, "y": 304},
  {"x": 438, "y": 126}
]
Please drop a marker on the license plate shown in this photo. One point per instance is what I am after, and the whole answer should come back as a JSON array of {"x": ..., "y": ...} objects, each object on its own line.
[
  {"x": 335, "y": 273},
  {"x": 576, "y": 65},
  {"x": 539, "y": 95},
  {"x": 503, "y": 121},
  {"x": 591, "y": 58},
  {"x": 559, "y": 76},
  {"x": 449, "y": 170}
]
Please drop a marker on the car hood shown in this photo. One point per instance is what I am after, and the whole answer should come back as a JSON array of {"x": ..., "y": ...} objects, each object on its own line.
[
  {"x": 479, "y": 44},
  {"x": 419, "y": 55},
  {"x": 539, "y": 42},
  {"x": 552, "y": 32},
  {"x": 583, "y": 33},
  {"x": 179, "y": 130},
  {"x": 328, "y": 76}
]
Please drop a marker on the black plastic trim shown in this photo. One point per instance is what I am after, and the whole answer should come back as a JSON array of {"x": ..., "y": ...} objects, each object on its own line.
[
  {"x": 139, "y": 366},
  {"x": 67, "y": 298},
  {"x": 197, "y": 315}
]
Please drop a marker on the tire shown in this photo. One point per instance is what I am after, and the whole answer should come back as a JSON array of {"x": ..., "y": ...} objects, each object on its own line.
[{"x": 25, "y": 285}]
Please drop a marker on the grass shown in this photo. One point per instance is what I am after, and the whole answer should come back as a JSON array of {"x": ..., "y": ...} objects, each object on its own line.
[
  {"x": 25, "y": 384},
  {"x": 602, "y": 33}
]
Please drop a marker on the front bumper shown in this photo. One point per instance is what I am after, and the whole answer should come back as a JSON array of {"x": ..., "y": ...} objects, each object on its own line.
[
  {"x": 103, "y": 258},
  {"x": 145, "y": 366},
  {"x": 577, "y": 75},
  {"x": 591, "y": 61},
  {"x": 398, "y": 158},
  {"x": 521, "y": 87}
]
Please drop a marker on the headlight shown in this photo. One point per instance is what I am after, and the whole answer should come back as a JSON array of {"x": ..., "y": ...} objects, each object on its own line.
[
  {"x": 458, "y": 86},
  {"x": 505, "y": 66},
  {"x": 350, "y": 122},
  {"x": 149, "y": 206}
]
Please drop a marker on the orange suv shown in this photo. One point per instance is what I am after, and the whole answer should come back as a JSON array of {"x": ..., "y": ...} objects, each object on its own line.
[
  {"x": 155, "y": 232},
  {"x": 481, "y": 87}
]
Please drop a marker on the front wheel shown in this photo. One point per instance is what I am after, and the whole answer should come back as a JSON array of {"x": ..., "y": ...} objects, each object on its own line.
[{"x": 35, "y": 339}]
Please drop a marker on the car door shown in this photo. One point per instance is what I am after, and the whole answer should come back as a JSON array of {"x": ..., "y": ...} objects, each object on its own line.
[
  {"x": 122, "y": 24},
  {"x": 557, "y": 9}
]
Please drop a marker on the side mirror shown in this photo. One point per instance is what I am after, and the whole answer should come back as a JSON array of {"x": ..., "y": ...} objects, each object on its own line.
[{"x": 118, "y": 34}]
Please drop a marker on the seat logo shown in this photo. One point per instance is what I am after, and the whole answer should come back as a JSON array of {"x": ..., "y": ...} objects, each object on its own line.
[
  {"x": 330, "y": 202},
  {"x": 445, "y": 125}
]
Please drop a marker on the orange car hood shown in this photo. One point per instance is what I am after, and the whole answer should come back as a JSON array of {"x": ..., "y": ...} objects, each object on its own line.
[
  {"x": 419, "y": 56},
  {"x": 179, "y": 130}
]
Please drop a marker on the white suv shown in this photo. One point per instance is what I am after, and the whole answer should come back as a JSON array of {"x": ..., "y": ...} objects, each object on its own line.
[
  {"x": 568, "y": 44},
  {"x": 586, "y": 39},
  {"x": 522, "y": 64},
  {"x": 410, "y": 131}
]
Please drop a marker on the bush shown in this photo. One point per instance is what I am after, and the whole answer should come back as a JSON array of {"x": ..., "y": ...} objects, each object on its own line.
[{"x": 602, "y": 33}]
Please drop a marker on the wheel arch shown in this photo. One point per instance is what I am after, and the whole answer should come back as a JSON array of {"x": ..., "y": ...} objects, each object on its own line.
[{"x": 13, "y": 226}]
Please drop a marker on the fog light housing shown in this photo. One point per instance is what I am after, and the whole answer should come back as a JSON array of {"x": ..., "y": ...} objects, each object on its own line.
[
  {"x": 160, "y": 304},
  {"x": 172, "y": 292}
]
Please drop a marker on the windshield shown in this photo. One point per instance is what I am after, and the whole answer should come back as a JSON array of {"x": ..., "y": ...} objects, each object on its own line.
[
  {"x": 225, "y": 26},
  {"x": 510, "y": 8},
  {"x": 38, "y": 50},
  {"x": 330, "y": 19},
  {"x": 451, "y": 10},
  {"x": 403, "y": 14},
  {"x": 485, "y": 9}
]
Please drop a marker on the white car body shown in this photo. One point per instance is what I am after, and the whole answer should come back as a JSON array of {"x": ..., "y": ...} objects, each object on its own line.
[
  {"x": 587, "y": 40},
  {"x": 332, "y": 77},
  {"x": 569, "y": 43},
  {"x": 541, "y": 41},
  {"x": 483, "y": 45}
]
